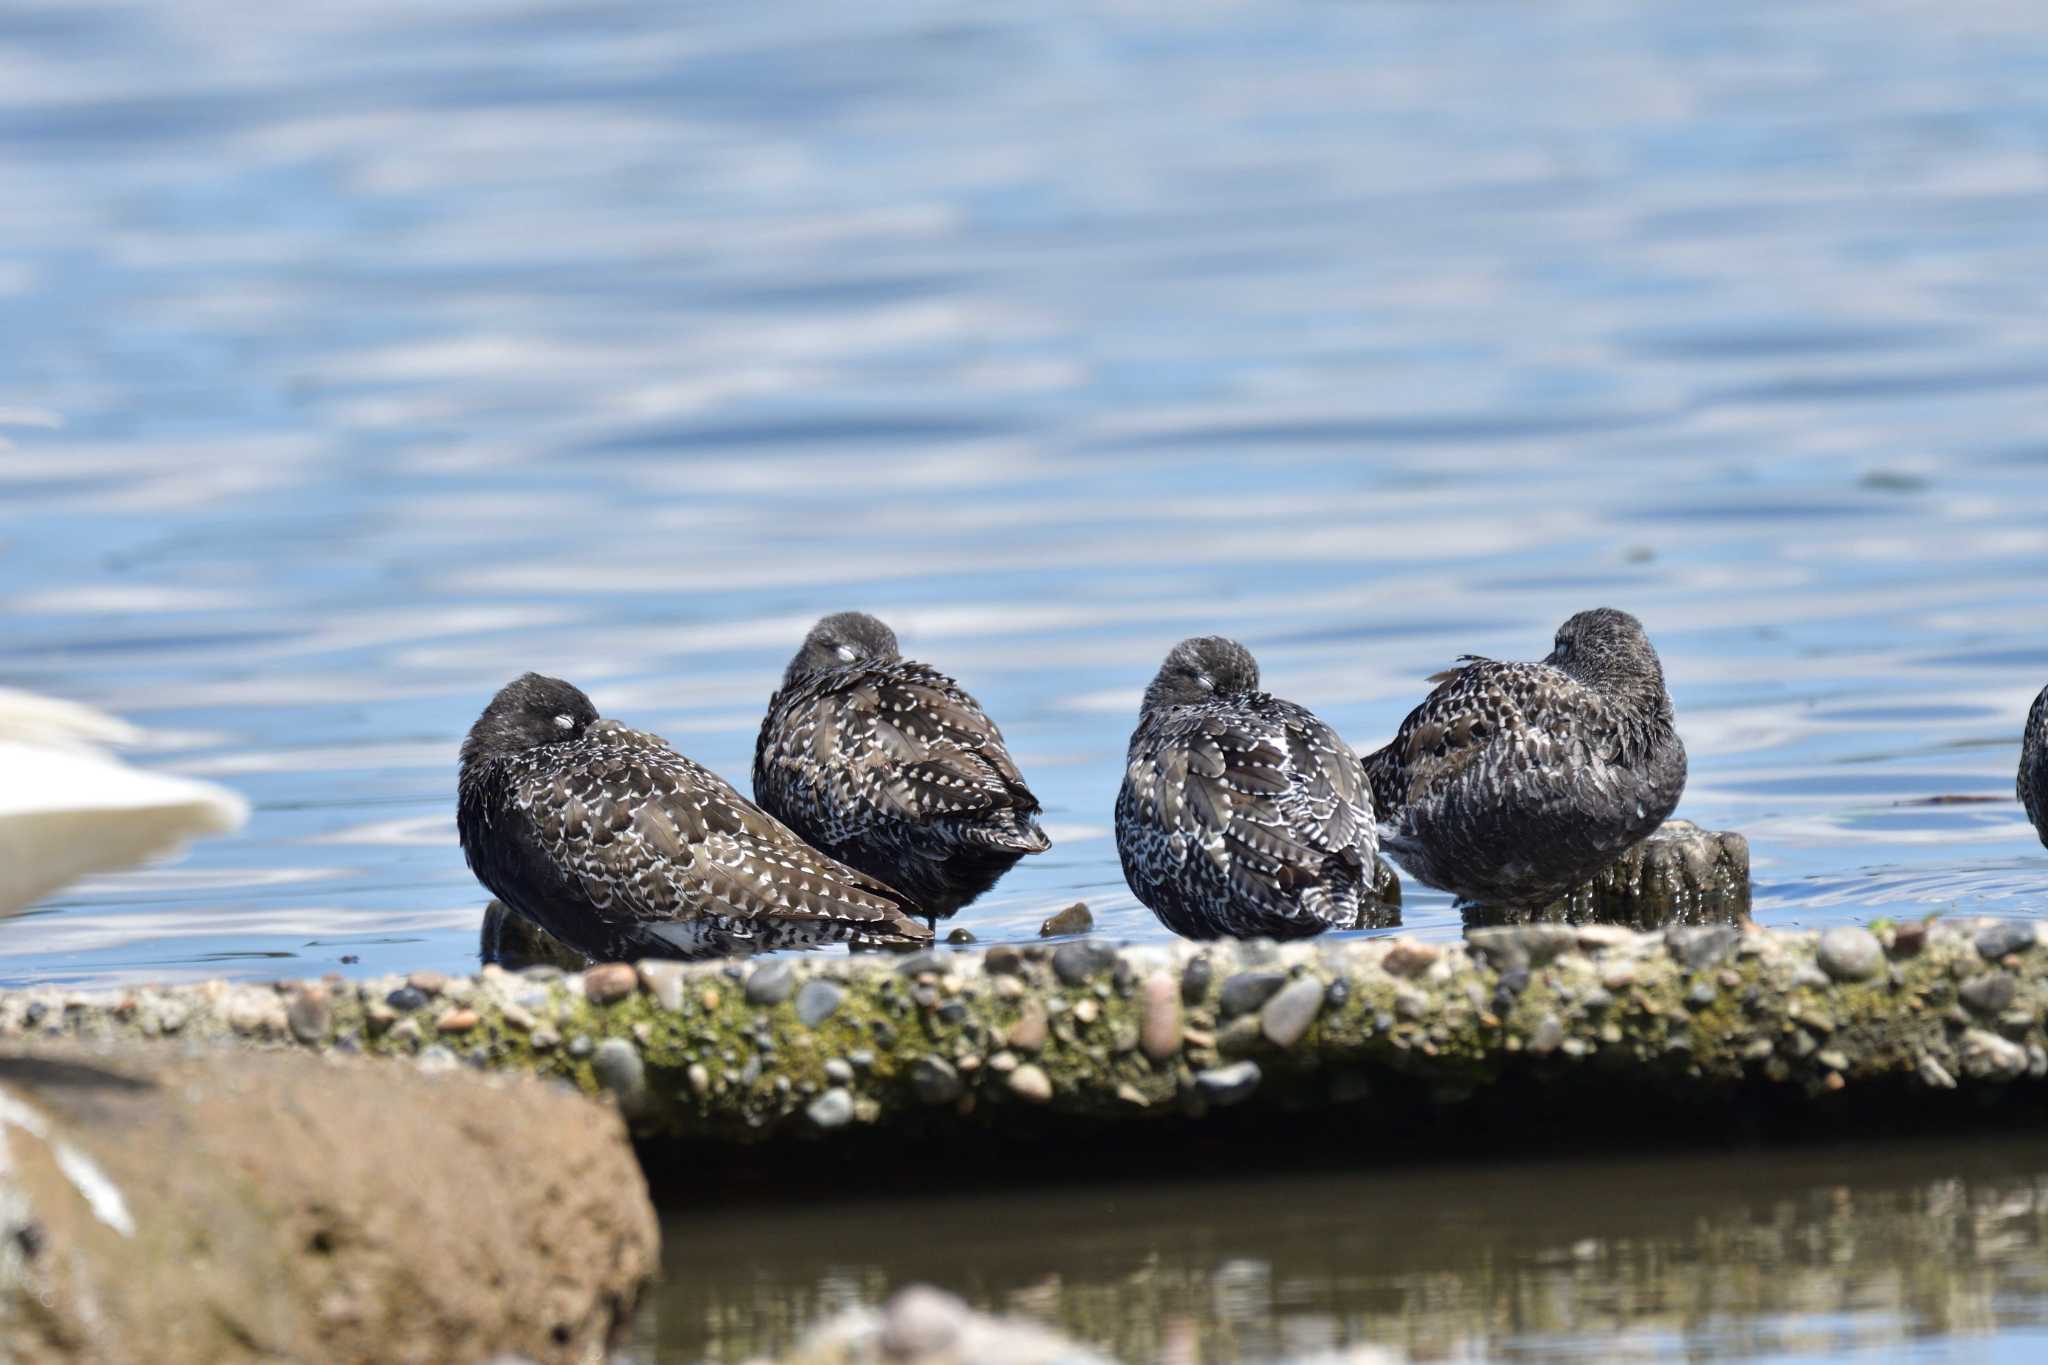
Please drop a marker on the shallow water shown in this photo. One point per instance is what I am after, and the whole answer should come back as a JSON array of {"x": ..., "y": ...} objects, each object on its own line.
[{"x": 1907, "y": 1251}]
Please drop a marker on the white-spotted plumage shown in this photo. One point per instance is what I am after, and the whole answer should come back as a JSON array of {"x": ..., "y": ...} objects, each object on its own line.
[
  {"x": 891, "y": 767},
  {"x": 1513, "y": 782},
  {"x": 621, "y": 847},
  {"x": 2032, "y": 786},
  {"x": 1241, "y": 814}
]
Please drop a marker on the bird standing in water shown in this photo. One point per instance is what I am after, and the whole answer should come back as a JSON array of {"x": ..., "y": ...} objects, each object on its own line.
[
  {"x": 891, "y": 767},
  {"x": 2033, "y": 778},
  {"x": 621, "y": 847},
  {"x": 1513, "y": 782},
  {"x": 1241, "y": 815}
]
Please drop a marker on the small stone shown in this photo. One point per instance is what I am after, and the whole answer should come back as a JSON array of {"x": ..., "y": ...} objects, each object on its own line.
[
  {"x": 1986, "y": 1056},
  {"x": 1850, "y": 953},
  {"x": 1520, "y": 947},
  {"x": 1907, "y": 941},
  {"x": 580, "y": 1046},
  {"x": 934, "y": 1080},
  {"x": 1246, "y": 991},
  {"x": 1598, "y": 938},
  {"x": 833, "y": 1109},
  {"x": 545, "y": 1039},
  {"x": 1086, "y": 1012},
  {"x": 1289, "y": 1013},
  {"x": 771, "y": 983},
  {"x": 699, "y": 1077},
  {"x": 609, "y": 981},
  {"x": 1029, "y": 1032},
  {"x": 1228, "y": 1084},
  {"x": 429, "y": 984},
  {"x": 1698, "y": 947},
  {"x": 1935, "y": 1075},
  {"x": 1410, "y": 958},
  {"x": 407, "y": 999},
  {"x": 922, "y": 1323},
  {"x": 839, "y": 1071},
  {"x": 1547, "y": 1036},
  {"x": 437, "y": 1058},
  {"x": 1832, "y": 1059},
  {"x": 960, "y": 936},
  {"x": 456, "y": 1021},
  {"x": 1075, "y": 919},
  {"x": 1159, "y": 1017},
  {"x": 1074, "y": 963},
  {"x": 1195, "y": 978},
  {"x": 818, "y": 1001},
  {"x": 1003, "y": 1063},
  {"x": 1701, "y": 995},
  {"x": 1010, "y": 988},
  {"x": 310, "y": 1014},
  {"x": 663, "y": 981},
  {"x": 2001, "y": 937},
  {"x": 1987, "y": 994},
  {"x": 517, "y": 1017},
  {"x": 1618, "y": 976},
  {"x": 1239, "y": 1036},
  {"x": 710, "y": 999},
  {"x": 618, "y": 1068},
  {"x": 1030, "y": 1083},
  {"x": 1002, "y": 960}
]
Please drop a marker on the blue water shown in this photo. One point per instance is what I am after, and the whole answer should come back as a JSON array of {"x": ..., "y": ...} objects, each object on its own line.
[{"x": 354, "y": 359}]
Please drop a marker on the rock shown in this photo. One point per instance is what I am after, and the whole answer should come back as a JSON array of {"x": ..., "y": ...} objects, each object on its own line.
[
  {"x": 1850, "y": 953},
  {"x": 1987, "y": 994},
  {"x": 310, "y": 1013},
  {"x": 619, "y": 1069},
  {"x": 833, "y": 1109},
  {"x": 1030, "y": 1083},
  {"x": 456, "y": 1021},
  {"x": 406, "y": 999},
  {"x": 934, "y": 1080},
  {"x": 771, "y": 983},
  {"x": 1246, "y": 991},
  {"x": 1986, "y": 1056},
  {"x": 1075, "y": 963},
  {"x": 429, "y": 984},
  {"x": 664, "y": 982},
  {"x": 960, "y": 936},
  {"x": 609, "y": 982},
  {"x": 1159, "y": 1017},
  {"x": 2000, "y": 937},
  {"x": 922, "y": 1326},
  {"x": 1028, "y": 1034},
  {"x": 330, "y": 1210},
  {"x": 1002, "y": 960},
  {"x": 1681, "y": 874},
  {"x": 1195, "y": 978},
  {"x": 1520, "y": 947},
  {"x": 1228, "y": 1084},
  {"x": 1410, "y": 958},
  {"x": 839, "y": 1071},
  {"x": 1075, "y": 919},
  {"x": 1288, "y": 1014},
  {"x": 1698, "y": 947},
  {"x": 1547, "y": 1035},
  {"x": 519, "y": 945},
  {"x": 818, "y": 1001}
]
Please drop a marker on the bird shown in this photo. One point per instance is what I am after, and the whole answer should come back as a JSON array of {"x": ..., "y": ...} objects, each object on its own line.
[
  {"x": 622, "y": 848},
  {"x": 1513, "y": 782},
  {"x": 1241, "y": 815},
  {"x": 68, "y": 808},
  {"x": 890, "y": 766},
  {"x": 2033, "y": 779}
]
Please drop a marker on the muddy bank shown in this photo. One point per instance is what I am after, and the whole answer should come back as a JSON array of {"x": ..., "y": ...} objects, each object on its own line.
[{"x": 818, "y": 1046}]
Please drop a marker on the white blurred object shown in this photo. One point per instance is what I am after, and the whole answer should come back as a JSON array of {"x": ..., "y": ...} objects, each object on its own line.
[{"x": 67, "y": 808}]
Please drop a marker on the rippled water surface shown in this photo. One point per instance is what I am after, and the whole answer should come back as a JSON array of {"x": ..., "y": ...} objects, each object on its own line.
[
  {"x": 358, "y": 358},
  {"x": 1907, "y": 1252}
]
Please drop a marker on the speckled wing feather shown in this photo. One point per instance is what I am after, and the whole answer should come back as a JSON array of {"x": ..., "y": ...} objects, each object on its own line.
[
  {"x": 1255, "y": 814},
  {"x": 892, "y": 741},
  {"x": 2032, "y": 784},
  {"x": 649, "y": 835}
]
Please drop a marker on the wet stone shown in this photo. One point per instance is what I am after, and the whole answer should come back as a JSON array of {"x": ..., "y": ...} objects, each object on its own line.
[
  {"x": 580, "y": 1046},
  {"x": 839, "y": 1071},
  {"x": 1224, "y": 1085},
  {"x": 407, "y": 998},
  {"x": 1698, "y": 947},
  {"x": 1289, "y": 1013},
  {"x": 1987, "y": 994},
  {"x": 1075, "y": 963},
  {"x": 1075, "y": 919},
  {"x": 1408, "y": 958},
  {"x": 960, "y": 936},
  {"x": 619, "y": 1069},
  {"x": 934, "y": 1080},
  {"x": 1195, "y": 978},
  {"x": 663, "y": 981},
  {"x": 1029, "y": 1032},
  {"x": 1996, "y": 940},
  {"x": 818, "y": 1001},
  {"x": 1030, "y": 1083},
  {"x": 1849, "y": 953},
  {"x": 457, "y": 1021},
  {"x": 833, "y": 1109},
  {"x": 1246, "y": 991},
  {"x": 608, "y": 982},
  {"x": 1002, "y": 960},
  {"x": 310, "y": 1014},
  {"x": 771, "y": 983}
]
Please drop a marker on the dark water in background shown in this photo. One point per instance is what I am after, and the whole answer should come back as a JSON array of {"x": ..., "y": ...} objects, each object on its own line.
[{"x": 353, "y": 359}]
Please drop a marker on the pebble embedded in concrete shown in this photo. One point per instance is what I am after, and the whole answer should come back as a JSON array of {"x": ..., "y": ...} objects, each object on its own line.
[
  {"x": 771, "y": 983},
  {"x": 818, "y": 1001},
  {"x": 1287, "y": 1016},
  {"x": 1850, "y": 953}
]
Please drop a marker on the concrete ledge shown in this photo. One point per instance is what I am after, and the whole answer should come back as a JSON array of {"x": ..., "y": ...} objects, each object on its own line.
[{"x": 819, "y": 1045}]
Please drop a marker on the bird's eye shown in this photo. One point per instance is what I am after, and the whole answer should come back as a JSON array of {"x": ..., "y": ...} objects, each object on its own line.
[
  {"x": 565, "y": 722},
  {"x": 845, "y": 653}
]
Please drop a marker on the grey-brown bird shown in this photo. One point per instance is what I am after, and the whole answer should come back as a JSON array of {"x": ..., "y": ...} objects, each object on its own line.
[
  {"x": 890, "y": 766},
  {"x": 2033, "y": 778},
  {"x": 621, "y": 847},
  {"x": 1513, "y": 782},
  {"x": 1240, "y": 814}
]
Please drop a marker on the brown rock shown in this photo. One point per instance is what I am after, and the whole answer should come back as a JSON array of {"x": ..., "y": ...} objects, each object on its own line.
[
  {"x": 1075, "y": 919},
  {"x": 429, "y": 984},
  {"x": 1028, "y": 1033},
  {"x": 345, "y": 1211},
  {"x": 456, "y": 1021},
  {"x": 610, "y": 981},
  {"x": 1159, "y": 1017},
  {"x": 1409, "y": 958}
]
